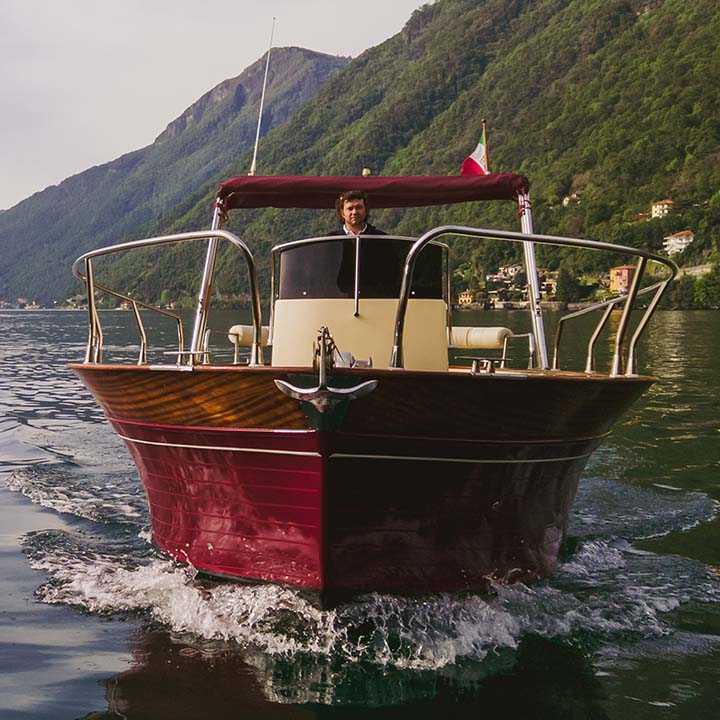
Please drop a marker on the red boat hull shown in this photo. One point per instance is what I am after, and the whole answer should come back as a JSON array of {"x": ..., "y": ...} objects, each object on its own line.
[
  {"x": 334, "y": 511},
  {"x": 348, "y": 510}
]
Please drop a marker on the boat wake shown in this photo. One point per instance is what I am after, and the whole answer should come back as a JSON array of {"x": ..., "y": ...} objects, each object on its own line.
[
  {"x": 607, "y": 507},
  {"x": 606, "y": 589},
  {"x": 607, "y": 593},
  {"x": 60, "y": 488}
]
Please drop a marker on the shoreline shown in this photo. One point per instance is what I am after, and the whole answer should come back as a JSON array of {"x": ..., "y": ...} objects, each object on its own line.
[{"x": 550, "y": 305}]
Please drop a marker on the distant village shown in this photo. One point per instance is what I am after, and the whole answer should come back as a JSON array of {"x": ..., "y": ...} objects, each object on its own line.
[
  {"x": 507, "y": 288},
  {"x": 77, "y": 302},
  {"x": 504, "y": 289}
]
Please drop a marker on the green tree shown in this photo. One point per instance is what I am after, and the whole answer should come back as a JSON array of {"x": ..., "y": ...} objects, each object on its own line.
[
  {"x": 681, "y": 294},
  {"x": 707, "y": 289},
  {"x": 568, "y": 286}
]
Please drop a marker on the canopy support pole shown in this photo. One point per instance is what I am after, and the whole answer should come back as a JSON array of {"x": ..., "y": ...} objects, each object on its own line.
[
  {"x": 525, "y": 210},
  {"x": 197, "y": 344}
]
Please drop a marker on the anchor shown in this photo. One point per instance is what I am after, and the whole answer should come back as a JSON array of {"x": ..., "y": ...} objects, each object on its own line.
[{"x": 323, "y": 397}]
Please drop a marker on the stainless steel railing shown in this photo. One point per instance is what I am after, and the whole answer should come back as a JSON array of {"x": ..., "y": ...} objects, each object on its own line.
[
  {"x": 95, "y": 337},
  {"x": 609, "y": 306},
  {"x": 622, "y": 362},
  {"x": 619, "y": 361}
]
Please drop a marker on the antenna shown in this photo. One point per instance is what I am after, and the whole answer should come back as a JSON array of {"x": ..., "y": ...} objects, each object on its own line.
[{"x": 262, "y": 102}]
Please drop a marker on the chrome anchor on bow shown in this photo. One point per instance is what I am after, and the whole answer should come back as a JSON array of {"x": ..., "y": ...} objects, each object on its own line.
[{"x": 323, "y": 397}]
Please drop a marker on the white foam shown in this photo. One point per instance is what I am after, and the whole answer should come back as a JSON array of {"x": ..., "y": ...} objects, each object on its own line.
[
  {"x": 60, "y": 488},
  {"x": 405, "y": 633}
]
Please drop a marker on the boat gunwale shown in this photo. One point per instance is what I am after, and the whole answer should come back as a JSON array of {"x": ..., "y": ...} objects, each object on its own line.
[{"x": 454, "y": 371}]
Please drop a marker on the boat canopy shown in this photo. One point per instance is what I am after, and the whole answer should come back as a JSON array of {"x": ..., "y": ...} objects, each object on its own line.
[{"x": 300, "y": 191}]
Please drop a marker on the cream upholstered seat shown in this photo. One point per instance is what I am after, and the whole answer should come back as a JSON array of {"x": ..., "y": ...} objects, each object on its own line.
[{"x": 369, "y": 335}]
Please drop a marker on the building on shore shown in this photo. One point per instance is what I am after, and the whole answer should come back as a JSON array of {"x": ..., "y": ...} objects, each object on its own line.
[
  {"x": 678, "y": 242},
  {"x": 661, "y": 208},
  {"x": 466, "y": 297},
  {"x": 620, "y": 278}
]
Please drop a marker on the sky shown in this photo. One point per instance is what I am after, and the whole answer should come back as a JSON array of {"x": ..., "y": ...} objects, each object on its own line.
[{"x": 85, "y": 81}]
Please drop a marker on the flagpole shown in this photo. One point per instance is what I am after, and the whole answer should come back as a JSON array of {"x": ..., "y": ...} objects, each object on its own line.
[
  {"x": 262, "y": 102},
  {"x": 487, "y": 156}
]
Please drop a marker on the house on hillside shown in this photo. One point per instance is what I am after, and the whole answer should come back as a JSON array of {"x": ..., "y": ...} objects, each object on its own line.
[
  {"x": 510, "y": 271},
  {"x": 548, "y": 282},
  {"x": 620, "y": 278},
  {"x": 677, "y": 242},
  {"x": 661, "y": 208},
  {"x": 505, "y": 275},
  {"x": 465, "y": 297}
]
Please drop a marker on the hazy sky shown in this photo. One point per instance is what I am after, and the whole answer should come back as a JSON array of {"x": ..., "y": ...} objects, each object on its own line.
[{"x": 84, "y": 81}]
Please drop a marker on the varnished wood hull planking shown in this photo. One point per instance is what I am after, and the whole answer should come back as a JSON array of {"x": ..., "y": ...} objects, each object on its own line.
[
  {"x": 430, "y": 483},
  {"x": 531, "y": 406}
]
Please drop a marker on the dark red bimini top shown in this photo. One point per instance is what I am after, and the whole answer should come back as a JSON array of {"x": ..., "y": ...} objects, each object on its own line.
[{"x": 299, "y": 191}]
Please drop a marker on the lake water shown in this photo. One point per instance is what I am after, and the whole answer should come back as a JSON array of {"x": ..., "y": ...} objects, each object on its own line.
[{"x": 94, "y": 623}]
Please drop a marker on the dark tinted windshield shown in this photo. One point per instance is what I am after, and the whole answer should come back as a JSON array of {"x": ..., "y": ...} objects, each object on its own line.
[{"x": 327, "y": 269}]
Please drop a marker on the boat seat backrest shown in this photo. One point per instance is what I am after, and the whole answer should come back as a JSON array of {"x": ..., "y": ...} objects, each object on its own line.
[
  {"x": 479, "y": 338},
  {"x": 243, "y": 335},
  {"x": 296, "y": 324}
]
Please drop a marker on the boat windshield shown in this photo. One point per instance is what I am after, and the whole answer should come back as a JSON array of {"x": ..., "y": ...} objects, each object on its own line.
[{"x": 326, "y": 269}]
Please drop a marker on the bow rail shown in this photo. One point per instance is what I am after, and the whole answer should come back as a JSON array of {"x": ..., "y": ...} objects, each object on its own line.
[
  {"x": 620, "y": 361},
  {"x": 95, "y": 337}
]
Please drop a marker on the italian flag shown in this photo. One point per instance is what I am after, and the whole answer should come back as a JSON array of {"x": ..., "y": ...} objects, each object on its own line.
[{"x": 477, "y": 162}]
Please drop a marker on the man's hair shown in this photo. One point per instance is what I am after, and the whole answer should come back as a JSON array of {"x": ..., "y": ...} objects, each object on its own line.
[{"x": 351, "y": 195}]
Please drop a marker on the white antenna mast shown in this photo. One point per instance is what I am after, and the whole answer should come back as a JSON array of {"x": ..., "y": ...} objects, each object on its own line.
[{"x": 262, "y": 102}]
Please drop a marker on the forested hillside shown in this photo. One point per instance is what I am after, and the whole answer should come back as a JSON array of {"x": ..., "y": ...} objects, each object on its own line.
[
  {"x": 606, "y": 104},
  {"x": 41, "y": 236},
  {"x": 611, "y": 102}
]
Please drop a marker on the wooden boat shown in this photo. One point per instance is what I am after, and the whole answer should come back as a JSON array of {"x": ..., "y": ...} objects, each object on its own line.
[{"x": 347, "y": 454}]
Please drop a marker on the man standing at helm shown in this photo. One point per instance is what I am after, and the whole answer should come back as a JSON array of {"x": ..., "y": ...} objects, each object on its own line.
[{"x": 352, "y": 211}]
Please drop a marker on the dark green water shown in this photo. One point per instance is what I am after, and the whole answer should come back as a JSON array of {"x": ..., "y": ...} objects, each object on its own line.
[{"x": 93, "y": 623}]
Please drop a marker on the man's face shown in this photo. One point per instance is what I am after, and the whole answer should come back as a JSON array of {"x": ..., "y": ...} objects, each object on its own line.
[{"x": 354, "y": 214}]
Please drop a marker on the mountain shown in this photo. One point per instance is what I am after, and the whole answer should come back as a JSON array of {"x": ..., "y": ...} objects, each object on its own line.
[
  {"x": 105, "y": 204},
  {"x": 613, "y": 103}
]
